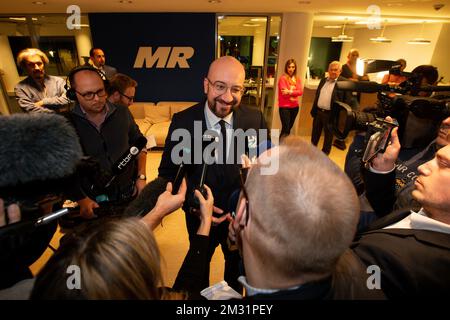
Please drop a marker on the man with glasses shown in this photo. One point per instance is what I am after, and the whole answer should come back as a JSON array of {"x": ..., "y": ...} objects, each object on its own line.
[
  {"x": 293, "y": 233},
  {"x": 39, "y": 92},
  {"x": 121, "y": 90},
  {"x": 106, "y": 132},
  {"x": 222, "y": 112}
]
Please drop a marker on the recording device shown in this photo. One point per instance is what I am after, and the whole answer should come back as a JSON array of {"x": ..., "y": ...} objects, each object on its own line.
[
  {"x": 39, "y": 154},
  {"x": 192, "y": 200},
  {"x": 28, "y": 225},
  {"x": 418, "y": 118},
  {"x": 379, "y": 136},
  {"x": 178, "y": 179},
  {"x": 127, "y": 158}
]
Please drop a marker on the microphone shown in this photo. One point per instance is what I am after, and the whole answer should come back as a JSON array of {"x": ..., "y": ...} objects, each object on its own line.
[
  {"x": 362, "y": 86},
  {"x": 147, "y": 199},
  {"x": 122, "y": 163},
  {"x": 36, "y": 147}
]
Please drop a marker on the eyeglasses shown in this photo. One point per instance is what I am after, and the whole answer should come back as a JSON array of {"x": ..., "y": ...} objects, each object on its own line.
[
  {"x": 243, "y": 177},
  {"x": 90, "y": 95},
  {"x": 128, "y": 97},
  {"x": 221, "y": 88}
]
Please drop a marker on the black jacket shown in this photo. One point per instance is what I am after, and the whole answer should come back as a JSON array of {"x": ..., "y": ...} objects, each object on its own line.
[
  {"x": 338, "y": 95},
  {"x": 413, "y": 263},
  {"x": 222, "y": 179}
]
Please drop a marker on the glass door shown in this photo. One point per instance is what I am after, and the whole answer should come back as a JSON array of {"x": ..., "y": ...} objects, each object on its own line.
[{"x": 249, "y": 39}]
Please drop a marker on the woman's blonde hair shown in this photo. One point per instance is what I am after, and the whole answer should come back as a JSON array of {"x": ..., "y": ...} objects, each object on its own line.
[{"x": 117, "y": 259}]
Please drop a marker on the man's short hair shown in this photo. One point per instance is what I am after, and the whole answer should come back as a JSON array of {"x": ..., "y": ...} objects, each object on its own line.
[
  {"x": 120, "y": 82},
  {"x": 427, "y": 72},
  {"x": 29, "y": 52},
  {"x": 303, "y": 217},
  {"x": 92, "y": 51},
  {"x": 335, "y": 62}
]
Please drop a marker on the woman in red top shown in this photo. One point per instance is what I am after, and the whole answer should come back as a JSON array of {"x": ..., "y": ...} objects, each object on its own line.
[{"x": 289, "y": 89}]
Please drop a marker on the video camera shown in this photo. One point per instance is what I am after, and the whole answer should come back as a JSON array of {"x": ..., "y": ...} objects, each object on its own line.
[{"x": 418, "y": 117}]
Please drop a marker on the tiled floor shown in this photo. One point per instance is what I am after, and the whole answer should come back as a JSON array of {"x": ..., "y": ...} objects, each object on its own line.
[{"x": 172, "y": 236}]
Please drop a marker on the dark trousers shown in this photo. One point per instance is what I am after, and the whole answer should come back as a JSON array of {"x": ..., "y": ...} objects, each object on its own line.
[
  {"x": 218, "y": 235},
  {"x": 321, "y": 122},
  {"x": 287, "y": 117}
]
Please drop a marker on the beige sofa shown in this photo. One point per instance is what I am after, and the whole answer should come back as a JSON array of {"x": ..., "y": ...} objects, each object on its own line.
[{"x": 154, "y": 120}]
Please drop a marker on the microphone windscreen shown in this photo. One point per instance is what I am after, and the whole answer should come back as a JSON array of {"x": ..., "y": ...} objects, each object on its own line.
[
  {"x": 146, "y": 200},
  {"x": 36, "y": 147}
]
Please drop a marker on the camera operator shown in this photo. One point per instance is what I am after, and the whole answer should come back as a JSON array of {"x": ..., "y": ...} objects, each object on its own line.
[{"x": 419, "y": 148}]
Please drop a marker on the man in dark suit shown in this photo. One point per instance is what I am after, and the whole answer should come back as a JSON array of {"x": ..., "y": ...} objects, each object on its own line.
[
  {"x": 326, "y": 95},
  {"x": 412, "y": 249},
  {"x": 218, "y": 117},
  {"x": 97, "y": 57}
]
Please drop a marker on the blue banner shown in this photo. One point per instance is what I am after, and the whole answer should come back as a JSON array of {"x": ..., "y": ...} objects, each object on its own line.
[{"x": 168, "y": 54}]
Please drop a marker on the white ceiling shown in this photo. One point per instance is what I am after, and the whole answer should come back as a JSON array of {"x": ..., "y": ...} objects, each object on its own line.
[{"x": 418, "y": 9}]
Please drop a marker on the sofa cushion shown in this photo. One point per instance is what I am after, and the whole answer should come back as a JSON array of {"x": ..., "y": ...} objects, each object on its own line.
[
  {"x": 143, "y": 125},
  {"x": 159, "y": 131},
  {"x": 157, "y": 114},
  {"x": 176, "y": 106},
  {"x": 137, "y": 109}
]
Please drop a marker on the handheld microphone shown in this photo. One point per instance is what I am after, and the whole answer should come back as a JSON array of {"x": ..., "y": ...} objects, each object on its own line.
[{"x": 129, "y": 155}]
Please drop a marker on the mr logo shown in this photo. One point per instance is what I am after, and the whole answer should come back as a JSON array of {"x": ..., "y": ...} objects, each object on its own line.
[{"x": 164, "y": 57}]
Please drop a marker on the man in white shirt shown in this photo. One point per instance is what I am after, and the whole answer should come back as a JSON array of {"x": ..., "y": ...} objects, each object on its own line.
[
  {"x": 326, "y": 95},
  {"x": 412, "y": 249}
]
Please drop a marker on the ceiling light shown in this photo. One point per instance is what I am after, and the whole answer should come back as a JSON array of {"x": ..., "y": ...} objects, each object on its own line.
[
  {"x": 381, "y": 38},
  {"x": 342, "y": 37},
  {"x": 214, "y": 1},
  {"x": 82, "y": 25},
  {"x": 420, "y": 39},
  {"x": 126, "y": 1},
  {"x": 39, "y": 3},
  {"x": 21, "y": 18}
]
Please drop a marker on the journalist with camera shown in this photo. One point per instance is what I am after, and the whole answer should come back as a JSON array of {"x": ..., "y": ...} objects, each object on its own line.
[{"x": 419, "y": 117}]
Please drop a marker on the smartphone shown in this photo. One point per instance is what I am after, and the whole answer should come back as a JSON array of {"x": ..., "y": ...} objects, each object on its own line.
[
  {"x": 178, "y": 179},
  {"x": 378, "y": 141}
]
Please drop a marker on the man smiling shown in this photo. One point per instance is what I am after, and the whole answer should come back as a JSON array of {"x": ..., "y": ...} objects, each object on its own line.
[{"x": 222, "y": 112}]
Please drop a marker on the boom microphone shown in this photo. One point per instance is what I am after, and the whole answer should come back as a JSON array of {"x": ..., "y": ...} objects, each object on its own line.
[
  {"x": 36, "y": 147},
  {"x": 361, "y": 86}
]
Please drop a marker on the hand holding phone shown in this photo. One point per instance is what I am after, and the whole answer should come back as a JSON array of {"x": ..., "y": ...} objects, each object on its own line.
[{"x": 383, "y": 152}]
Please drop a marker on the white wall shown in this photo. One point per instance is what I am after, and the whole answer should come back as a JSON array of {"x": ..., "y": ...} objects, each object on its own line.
[
  {"x": 440, "y": 57},
  {"x": 413, "y": 54}
]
